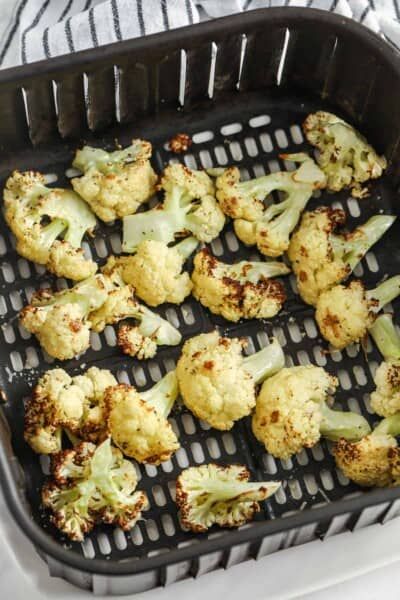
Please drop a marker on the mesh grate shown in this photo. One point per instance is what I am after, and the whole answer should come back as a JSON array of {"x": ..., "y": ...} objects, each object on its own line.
[{"x": 250, "y": 132}]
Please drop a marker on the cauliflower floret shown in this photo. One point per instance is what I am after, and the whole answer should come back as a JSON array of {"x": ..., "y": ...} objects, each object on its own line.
[
  {"x": 60, "y": 320},
  {"x": 115, "y": 184},
  {"x": 385, "y": 400},
  {"x": 216, "y": 383},
  {"x": 240, "y": 200},
  {"x": 343, "y": 153},
  {"x": 49, "y": 224},
  {"x": 219, "y": 495},
  {"x": 243, "y": 290},
  {"x": 92, "y": 485},
  {"x": 138, "y": 423},
  {"x": 322, "y": 258},
  {"x": 155, "y": 271},
  {"x": 189, "y": 207},
  {"x": 133, "y": 343}
]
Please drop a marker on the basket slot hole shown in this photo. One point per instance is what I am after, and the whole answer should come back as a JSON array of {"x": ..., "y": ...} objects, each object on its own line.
[
  {"x": 182, "y": 458},
  {"x": 335, "y": 355},
  {"x": 104, "y": 544},
  {"x": 123, "y": 377},
  {"x": 354, "y": 207},
  {"x": 88, "y": 549},
  {"x": 342, "y": 477},
  {"x": 236, "y": 150},
  {"x": 317, "y": 452},
  {"x": 115, "y": 240},
  {"x": 8, "y": 333},
  {"x": 101, "y": 247},
  {"x": 139, "y": 376},
  {"x": 303, "y": 358},
  {"x": 282, "y": 141},
  {"x": 296, "y": 134},
  {"x": 269, "y": 464},
  {"x": 188, "y": 424},
  {"x": 203, "y": 136},
  {"x": 159, "y": 496},
  {"x": 344, "y": 379},
  {"x": 16, "y": 361},
  {"x": 367, "y": 404},
  {"x": 3, "y": 247},
  {"x": 266, "y": 142},
  {"x": 72, "y": 172},
  {"x": 372, "y": 365},
  {"x": 152, "y": 530},
  {"x": 190, "y": 161},
  {"x": 167, "y": 466},
  {"x": 354, "y": 405},
  {"x": 32, "y": 359},
  {"x": 3, "y": 306},
  {"x": 319, "y": 356},
  {"x": 151, "y": 470},
  {"x": 274, "y": 166},
  {"x": 174, "y": 426},
  {"x": 155, "y": 372},
  {"x": 119, "y": 539},
  {"x": 168, "y": 525},
  {"x": 8, "y": 272},
  {"x": 187, "y": 314},
  {"x": 229, "y": 443},
  {"x": 205, "y": 159},
  {"x": 360, "y": 375},
  {"x": 326, "y": 479},
  {"x": 372, "y": 262},
  {"x": 359, "y": 271},
  {"x": 287, "y": 463},
  {"x": 280, "y": 496},
  {"x": 302, "y": 458},
  {"x": 172, "y": 489},
  {"x": 311, "y": 484},
  {"x": 136, "y": 536},
  {"x": 197, "y": 452},
  {"x": 294, "y": 332},
  {"x": 251, "y": 146},
  {"x": 95, "y": 341},
  {"x": 259, "y": 121},
  {"x": 280, "y": 335},
  {"x": 221, "y": 155},
  {"x": 172, "y": 317},
  {"x": 352, "y": 350},
  {"x": 110, "y": 336},
  {"x": 310, "y": 327},
  {"x": 23, "y": 268},
  {"x": 213, "y": 448},
  {"x": 295, "y": 489},
  {"x": 217, "y": 248},
  {"x": 231, "y": 128},
  {"x": 262, "y": 339}
]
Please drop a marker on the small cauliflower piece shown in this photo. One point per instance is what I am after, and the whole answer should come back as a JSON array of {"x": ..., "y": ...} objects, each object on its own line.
[
  {"x": 292, "y": 413},
  {"x": 60, "y": 402},
  {"x": 189, "y": 207},
  {"x": 49, "y": 224},
  {"x": 91, "y": 485},
  {"x": 343, "y": 153},
  {"x": 217, "y": 383},
  {"x": 385, "y": 399},
  {"x": 61, "y": 320},
  {"x": 269, "y": 228},
  {"x": 375, "y": 459},
  {"x": 155, "y": 271},
  {"x": 219, "y": 495},
  {"x": 242, "y": 290},
  {"x": 137, "y": 421},
  {"x": 321, "y": 257},
  {"x": 115, "y": 184},
  {"x": 345, "y": 313}
]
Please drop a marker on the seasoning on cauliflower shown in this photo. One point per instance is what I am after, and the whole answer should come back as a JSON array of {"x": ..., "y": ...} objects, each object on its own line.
[
  {"x": 150, "y": 331},
  {"x": 269, "y": 228},
  {"x": 385, "y": 399},
  {"x": 73, "y": 404},
  {"x": 92, "y": 485},
  {"x": 219, "y": 495},
  {"x": 292, "y": 413},
  {"x": 375, "y": 459},
  {"x": 137, "y": 421},
  {"x": 243, "y": 290},
  {"x": 345, "y": 313},
  {"x": 189, "y": 207},
  {"x": 115, "y": 184},
  {"x": 61, "y": 321},
  {"x": 216, "y": 383},
  {"x": 49, "y": 224},
  {"x": 321, "y": 257},
  {"x": 155, "y": 271},
  {"x": 343, "y": 153}
]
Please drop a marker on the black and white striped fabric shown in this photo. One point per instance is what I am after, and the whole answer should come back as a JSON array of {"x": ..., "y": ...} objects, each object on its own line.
[{"x": 33, "y": 30}]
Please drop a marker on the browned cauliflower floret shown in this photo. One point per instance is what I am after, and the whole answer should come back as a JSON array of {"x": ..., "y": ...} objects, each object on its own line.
[
  {"x": 92, "y": 485},
  {"x": 189, "y": 207},
  {"x": 343, "y": 153},
  {"x": 61, "y": 320},
  {"x": 269, "y": 228},
  {"x": 137, "y": 421},
  {"x": 219, "y": 495},
  {"x": 49, "y": 224},
  {"x": 216, "y": 383},
  {"x": 242, "y": 290},
  {"x": 292, "y": 413},
  {"x": 133, "y": 343},
  {"x": 321, "y": 257},
  {"x": 375, "y": 459},
  {"x": 345, "y": 313},
  {"x": 115, "y": 184},
  {"x": 385, "y": 399}
]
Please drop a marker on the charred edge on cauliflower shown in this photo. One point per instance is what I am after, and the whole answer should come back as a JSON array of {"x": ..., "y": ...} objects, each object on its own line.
[{"x": 385, "y": 399}]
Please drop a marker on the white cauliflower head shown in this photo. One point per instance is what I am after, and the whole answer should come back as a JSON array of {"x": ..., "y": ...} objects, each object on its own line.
[
  {"x": 115, "y": 184},
  {"x": 385, "y": 399}
]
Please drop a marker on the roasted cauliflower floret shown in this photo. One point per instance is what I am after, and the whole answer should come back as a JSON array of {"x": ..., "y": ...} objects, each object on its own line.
[
  {"x": 60, "y": 402},
  {"x": 269, "y": 228},
  {"x": 219, "y": 495},
  {"x": 189, "y": 207},
  {"x": 375, "y": 459},
  {"x": 321, "y": 257},
  {"x": 155, "y": 271},
  {"x": 92, "y": 485},
  {"x": 343, "y": 153},
  {"x": 345, "y": 313},
  {"x": 242, "y": 290},
  {"x": 61, "y": 320},
  {"x": 385, "y": 399},
  {"x": 49, "y": 224},
  {"x": 216, "y": 383},
  {"x": 138, "y": 423},
  {"x": 292, "y": 413},
  {"x": 115, "y": 184}
]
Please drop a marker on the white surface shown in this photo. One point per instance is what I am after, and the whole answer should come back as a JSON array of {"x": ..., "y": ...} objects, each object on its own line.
[{"x": 366, "y": 563}]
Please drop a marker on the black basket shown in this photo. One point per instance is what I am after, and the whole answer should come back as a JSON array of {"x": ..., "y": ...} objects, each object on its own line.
[{"x": 241, "y": 87}]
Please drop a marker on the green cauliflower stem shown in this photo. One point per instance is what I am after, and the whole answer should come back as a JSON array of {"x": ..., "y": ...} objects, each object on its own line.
[
  {"x": 49, "y": 224},
  {"x": 343, "y": 153},
  {"x": 189, "y": 207},
  {"x": 61, "y": 320},
  {"x": 219, "y": 495},
  {"x": 91, "y": 485},
  {"x": 375, "y": 459},
  {"x": 322, "y": 257},
  {"x": 269, "y": 228},
  {"x": 115, "y": 184}
]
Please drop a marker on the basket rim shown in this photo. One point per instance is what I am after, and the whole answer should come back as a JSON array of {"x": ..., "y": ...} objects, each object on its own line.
[{"x": 13, "y": 492}]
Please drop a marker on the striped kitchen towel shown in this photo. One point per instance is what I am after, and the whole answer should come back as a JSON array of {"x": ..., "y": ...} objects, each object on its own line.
[{"x": 33, "y": 30}]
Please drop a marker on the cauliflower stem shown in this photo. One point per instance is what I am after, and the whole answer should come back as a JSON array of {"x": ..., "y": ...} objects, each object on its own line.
[
  {"x": 163, "y": 394},
  {"x": 337, "y": 424},
  {"x": 384, "y": 293},
  {"x": 386, "y": 337},
  {"x": 265, "y": 362}
]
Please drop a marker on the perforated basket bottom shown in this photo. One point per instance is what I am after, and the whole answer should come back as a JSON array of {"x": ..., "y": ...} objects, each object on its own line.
[{"x": 250, "y": 130}]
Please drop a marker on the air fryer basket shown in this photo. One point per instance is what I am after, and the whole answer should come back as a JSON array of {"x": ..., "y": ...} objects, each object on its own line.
[{"x": 241, "y": 86}]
